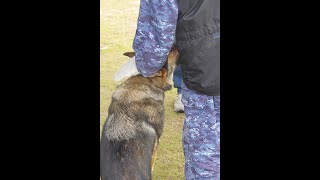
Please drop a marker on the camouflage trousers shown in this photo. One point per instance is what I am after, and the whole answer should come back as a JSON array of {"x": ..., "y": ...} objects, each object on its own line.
[{"x": 201, "y": 135}]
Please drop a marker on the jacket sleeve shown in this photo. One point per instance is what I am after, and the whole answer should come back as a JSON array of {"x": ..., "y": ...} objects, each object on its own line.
[{"x": 155, "y": 34}]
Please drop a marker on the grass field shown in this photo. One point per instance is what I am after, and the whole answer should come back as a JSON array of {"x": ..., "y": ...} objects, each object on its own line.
[{"x": 118, "y": 20}]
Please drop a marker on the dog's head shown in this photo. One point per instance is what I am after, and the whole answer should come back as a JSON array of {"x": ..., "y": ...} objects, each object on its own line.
[{"x": 164, "y": 77}]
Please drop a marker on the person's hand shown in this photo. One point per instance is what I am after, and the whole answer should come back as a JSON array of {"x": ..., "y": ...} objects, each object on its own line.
[{"x": 127, "y": 70}]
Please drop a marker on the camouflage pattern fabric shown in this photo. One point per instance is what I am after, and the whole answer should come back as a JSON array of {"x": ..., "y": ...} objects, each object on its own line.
[
  {"x": 155, "y": 34},
  {"x": 201, "y": 135}
]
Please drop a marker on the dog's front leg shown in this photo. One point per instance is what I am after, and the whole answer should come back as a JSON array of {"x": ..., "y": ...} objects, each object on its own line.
[{"x": 154, "y": 154}]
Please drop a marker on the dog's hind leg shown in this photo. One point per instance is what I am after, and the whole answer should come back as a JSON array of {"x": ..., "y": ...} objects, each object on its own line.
[{"x": 154, "y": 154}]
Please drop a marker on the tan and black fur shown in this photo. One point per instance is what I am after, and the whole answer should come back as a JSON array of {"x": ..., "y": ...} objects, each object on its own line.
[{"x": 135, "y": 121}]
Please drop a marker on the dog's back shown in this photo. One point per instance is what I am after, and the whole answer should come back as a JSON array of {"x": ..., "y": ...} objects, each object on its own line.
[{"x": 134, "y": 124}]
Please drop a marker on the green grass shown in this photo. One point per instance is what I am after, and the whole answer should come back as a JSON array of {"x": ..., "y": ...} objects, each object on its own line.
[{"x": 118, "y": 21}]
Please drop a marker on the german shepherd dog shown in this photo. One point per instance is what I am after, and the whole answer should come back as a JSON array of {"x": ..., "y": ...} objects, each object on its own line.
[{"x": 131, "y": 133}]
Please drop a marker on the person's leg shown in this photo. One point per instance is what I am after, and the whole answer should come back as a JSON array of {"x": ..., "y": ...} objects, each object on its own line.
[
  {"x": 201, "y": 136},
  {"x": 177, "y": 80}
]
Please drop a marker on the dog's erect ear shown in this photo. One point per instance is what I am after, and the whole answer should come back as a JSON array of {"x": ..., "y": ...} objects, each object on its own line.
[
  {"x": 173, "y": 56},
  {"x": 129, "y": 54}
]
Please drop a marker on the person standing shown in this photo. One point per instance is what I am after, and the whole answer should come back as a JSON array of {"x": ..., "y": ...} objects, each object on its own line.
[
  {"x": 177, "y": 81},
  {"x": 195, "y": 24}
]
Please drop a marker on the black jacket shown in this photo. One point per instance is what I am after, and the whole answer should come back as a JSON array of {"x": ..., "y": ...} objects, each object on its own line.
[{"x": 198, "y": 27}]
